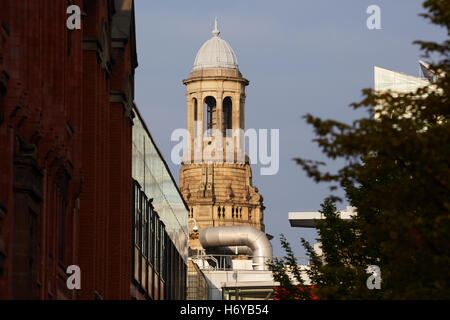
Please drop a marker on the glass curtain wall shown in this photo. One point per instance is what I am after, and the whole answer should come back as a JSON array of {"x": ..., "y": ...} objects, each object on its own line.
[{"x": 160, "y": 248}]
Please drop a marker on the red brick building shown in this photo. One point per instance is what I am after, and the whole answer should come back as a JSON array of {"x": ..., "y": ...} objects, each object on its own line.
[{"x": 66, "y": 101}]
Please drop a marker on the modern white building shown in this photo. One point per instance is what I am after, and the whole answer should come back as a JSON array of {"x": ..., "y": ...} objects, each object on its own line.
[
  {"x": 385, "y": 79},
  {"x": 309, "y": 219}
]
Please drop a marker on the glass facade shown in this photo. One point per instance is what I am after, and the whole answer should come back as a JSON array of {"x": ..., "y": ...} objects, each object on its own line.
[
  {"x": 396, "y": 82},
  {"x": 160, "y": 248}
]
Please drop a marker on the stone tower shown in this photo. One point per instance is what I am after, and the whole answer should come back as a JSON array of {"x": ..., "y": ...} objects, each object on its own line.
[{"x": 218, "y": 190}]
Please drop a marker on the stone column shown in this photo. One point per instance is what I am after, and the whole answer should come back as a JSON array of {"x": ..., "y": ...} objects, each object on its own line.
[
  {"x": 201, "y": 126},
  {"x": 219, "y": 114},
  {"x": 190, "y": 126},
  {"x": 242, "y": 112},
  {"x": 236, "y": 116},
  {"x": 219, "y": 108}
]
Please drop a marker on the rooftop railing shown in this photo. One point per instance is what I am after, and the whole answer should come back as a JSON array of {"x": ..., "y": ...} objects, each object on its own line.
[{"x": 226, "y": 262}]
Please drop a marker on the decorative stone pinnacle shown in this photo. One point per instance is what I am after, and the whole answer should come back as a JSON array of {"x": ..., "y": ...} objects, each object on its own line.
[{"x": 216, "y": 31}]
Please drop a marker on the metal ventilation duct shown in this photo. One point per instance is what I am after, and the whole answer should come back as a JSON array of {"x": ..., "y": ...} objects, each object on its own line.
[
  {"x": 240, "y": 236},
  {"x": 230, "y": 250}
]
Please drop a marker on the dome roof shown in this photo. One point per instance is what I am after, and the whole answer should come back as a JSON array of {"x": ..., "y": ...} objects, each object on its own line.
[{"x": 215, "y": 53}]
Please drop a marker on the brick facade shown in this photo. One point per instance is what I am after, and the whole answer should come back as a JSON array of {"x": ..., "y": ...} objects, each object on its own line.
[{"x": 66, "y": 100}]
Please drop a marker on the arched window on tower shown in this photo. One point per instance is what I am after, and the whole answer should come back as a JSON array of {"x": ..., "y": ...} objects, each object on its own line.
[
  {"x": 210, "y": 106},
  {"x": 227, "y": 116},
  {"x": 196, "y": 124}
]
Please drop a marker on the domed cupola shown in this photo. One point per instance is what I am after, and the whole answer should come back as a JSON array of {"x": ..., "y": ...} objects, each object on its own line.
[{"x": 215, "y": 53}]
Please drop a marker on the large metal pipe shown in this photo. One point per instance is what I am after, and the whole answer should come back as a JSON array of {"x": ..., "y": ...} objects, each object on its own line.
[
  {"x": 240, "y": 236},
  {"x": 230, "y": 250}
]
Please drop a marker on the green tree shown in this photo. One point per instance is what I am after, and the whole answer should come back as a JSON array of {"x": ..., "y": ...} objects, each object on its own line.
[
  {"x": 397, "y": 175},
  {"x": 287, "y": 272}
]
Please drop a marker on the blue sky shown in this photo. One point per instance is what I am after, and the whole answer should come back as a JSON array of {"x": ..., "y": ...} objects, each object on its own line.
[{"x": 310, "y": 56}]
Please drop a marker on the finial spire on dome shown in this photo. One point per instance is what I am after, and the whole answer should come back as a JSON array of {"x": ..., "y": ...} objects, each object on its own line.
[
  {"x": 216, "y": 31},
  {"x": 215, "y": 53}
]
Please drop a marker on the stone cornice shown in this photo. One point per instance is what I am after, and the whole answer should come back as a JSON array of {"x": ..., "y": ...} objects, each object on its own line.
[
  {"x": 91, "y": 44},
  {"x": 225, "y": 78},
  {"x": 119, "y": 43},
  {"x": 121, "y": 97},
  {"x": 100, "y": 46}
]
